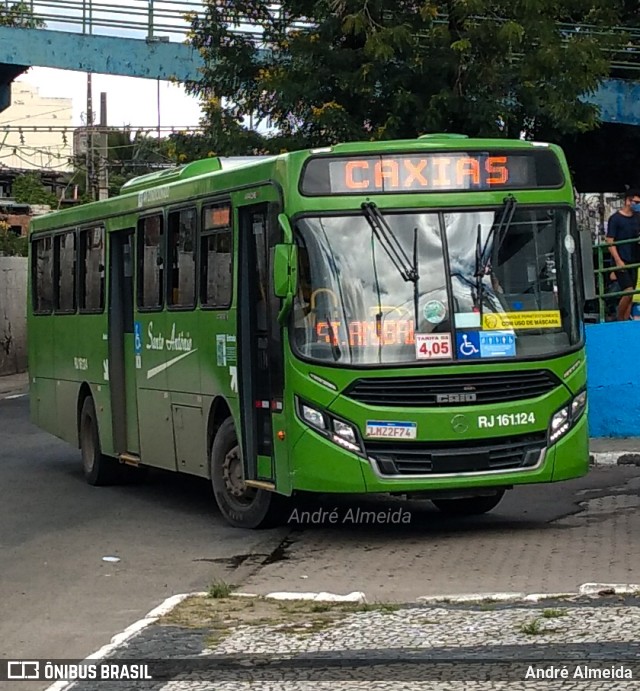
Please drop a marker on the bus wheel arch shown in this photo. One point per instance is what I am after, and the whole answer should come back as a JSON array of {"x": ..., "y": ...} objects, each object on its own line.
[
  {"x": 218, "y": 413},
  {"x": 98, "y": 469},
  {"x": 241, "y": 506},
  {"x": 83, "y": 394}
]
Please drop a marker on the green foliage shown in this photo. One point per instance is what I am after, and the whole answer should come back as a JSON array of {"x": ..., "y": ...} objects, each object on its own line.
[
  {"x": 340, "y": 70},
  {"x": 28, "y": 189},
  {"x": 19, "y": 15},
  {"x": 220, "y": 590},
  {"x": 11, "y": 245}
]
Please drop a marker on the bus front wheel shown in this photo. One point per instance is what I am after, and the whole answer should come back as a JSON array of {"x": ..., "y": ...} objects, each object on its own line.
[
  {"x": 241, "y": 506},
  {"x": 468, "y": 506},
  {"x": 98, "y": 468}
]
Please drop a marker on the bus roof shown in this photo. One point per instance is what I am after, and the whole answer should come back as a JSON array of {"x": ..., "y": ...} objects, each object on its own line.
[{"x": 133, "y": 191}]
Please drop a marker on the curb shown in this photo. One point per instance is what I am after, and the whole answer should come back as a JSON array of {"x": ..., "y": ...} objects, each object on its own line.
[
  {"x": 593, "y": 590},
  {"x": 613, "y": 458},
  {"x": 120, "y": 638}
]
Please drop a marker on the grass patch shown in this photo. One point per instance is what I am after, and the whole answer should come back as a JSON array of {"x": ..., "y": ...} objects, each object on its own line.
[
  {"x": 219, "y": 590},
  {"x": 554, "y": 613},
  {"x": 220, "y": 614},
  {"x": 532, "y": 628}
]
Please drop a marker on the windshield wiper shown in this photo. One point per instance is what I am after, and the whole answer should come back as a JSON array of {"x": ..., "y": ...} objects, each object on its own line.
[
  {"x": 385, "y": 236},
  {"x": 499, "y": 231},
  {"x": 335, "y": 348}
]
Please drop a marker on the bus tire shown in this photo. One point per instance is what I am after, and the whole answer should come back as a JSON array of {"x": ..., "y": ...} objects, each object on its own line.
[
  {"x": 468, "y": 506},
  {"x": 241, "y": 506},
  {"x": 98, "y": 469}
]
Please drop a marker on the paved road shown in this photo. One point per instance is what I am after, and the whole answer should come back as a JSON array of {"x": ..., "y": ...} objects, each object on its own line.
[
  {"x": 540, "y": 539},
  {"x": 58, "y": 598}
]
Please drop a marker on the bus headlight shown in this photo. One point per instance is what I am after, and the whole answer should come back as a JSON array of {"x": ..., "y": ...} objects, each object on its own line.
[
  {"x": 565, "y": 418},
  {"x": 313, "y": 417},
  {"x": 338, "y": 431}
]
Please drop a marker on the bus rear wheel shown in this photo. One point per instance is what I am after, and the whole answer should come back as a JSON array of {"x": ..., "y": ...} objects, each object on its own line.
[
  {"x": 98, "y": 468},
  {"x": 469, "y": 506},
  {"x": 241, "y": 506}
]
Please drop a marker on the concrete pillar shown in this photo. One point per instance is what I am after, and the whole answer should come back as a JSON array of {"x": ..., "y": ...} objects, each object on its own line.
[{"x": 13, "y": 315}]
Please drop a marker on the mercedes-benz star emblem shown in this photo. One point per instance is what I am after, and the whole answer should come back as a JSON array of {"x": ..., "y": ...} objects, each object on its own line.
[{"x": 460, "y": 424}]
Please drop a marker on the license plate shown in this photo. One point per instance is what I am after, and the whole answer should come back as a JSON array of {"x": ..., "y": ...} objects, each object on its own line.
[{"x": 396, "y": 430}]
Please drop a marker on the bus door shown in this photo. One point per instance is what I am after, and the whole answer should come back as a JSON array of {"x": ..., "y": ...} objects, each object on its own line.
[
  {"x": 123, "y": 348},
  {"x": 260, "y": 358}
]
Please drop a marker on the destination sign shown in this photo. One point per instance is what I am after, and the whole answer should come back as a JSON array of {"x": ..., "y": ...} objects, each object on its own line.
[
  {"x": 218, "y": 216},
  {"x": 432, "y": 172},
  {"x": 368, "y": 333}
]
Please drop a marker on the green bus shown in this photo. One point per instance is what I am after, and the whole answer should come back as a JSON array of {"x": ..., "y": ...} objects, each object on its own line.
[{"x": 399, "y": 317}]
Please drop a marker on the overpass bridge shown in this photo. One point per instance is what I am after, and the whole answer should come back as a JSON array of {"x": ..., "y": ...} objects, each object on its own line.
[{"x": 146, "y": 38}]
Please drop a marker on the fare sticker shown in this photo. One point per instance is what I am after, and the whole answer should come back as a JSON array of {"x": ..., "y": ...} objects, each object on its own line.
[{"x": 433, "y": 346}]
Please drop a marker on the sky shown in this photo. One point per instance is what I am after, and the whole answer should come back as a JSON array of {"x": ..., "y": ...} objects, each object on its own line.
[{"x": 130, "y": 101}]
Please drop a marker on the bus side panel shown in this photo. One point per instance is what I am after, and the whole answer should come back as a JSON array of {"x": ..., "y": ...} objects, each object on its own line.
[
  {"x": 71, "y": 363},
  {"x": 43, "y": 404},
  {"x": 183, "y": 341},
  {"x": 157, "y": 447},
  {"x": 41, "y": 372}
]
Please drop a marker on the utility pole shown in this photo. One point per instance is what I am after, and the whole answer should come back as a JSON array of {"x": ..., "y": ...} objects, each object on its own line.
[
  {"x": 103, "y": 169},
  {"x": 89, "y": 153}
]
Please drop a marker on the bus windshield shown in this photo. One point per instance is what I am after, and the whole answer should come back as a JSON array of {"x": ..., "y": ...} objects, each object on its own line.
[{"x": 436, "y": 286}]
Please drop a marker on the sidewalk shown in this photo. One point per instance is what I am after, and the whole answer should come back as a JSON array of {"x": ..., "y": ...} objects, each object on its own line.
[
  {"x": 14, "y": 384},
  {"x": 205, "y": 644}
]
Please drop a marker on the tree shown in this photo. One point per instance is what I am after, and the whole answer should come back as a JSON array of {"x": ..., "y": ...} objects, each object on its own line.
[
  {"x": 28, "y": 189},
  {"x": 339, "y": 70},
  {"x": 19, "y": 14},
  {"x": 12, "y": 245}
]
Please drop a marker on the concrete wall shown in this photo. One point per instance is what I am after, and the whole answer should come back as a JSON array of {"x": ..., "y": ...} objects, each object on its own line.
[
  {"x": 613, "y": 375},
  {"x": 13, "y": 315}
]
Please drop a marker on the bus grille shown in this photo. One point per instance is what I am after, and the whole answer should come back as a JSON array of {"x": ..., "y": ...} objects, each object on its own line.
[
  {"x": 473, "y": 456},
  {"x": 452, "y": 389}
]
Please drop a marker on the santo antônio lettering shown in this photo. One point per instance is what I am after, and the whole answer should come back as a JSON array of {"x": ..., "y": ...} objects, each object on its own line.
[{"x": 427, "y": 173}]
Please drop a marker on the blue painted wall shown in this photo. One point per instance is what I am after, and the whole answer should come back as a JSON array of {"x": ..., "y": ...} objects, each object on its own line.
[
  {"x": 613, "y": 376},
  {"x": 619, "y": 101}
]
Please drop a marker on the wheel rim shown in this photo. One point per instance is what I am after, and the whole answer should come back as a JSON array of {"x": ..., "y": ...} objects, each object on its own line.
[
  {"x": 88, "y": 447},
  {"x": 233, "y": 477}
]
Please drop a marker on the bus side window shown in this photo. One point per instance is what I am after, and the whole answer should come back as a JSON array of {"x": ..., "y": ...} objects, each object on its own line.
[
  {"x": 91, "y": 293},
  {"x": 65, "y": 261},
  {"x": 150, "y": 278},
  {"x": 216, "y": 265},
  {"x": 42, "y": 276},
  {"x": 182, "y": 267}
]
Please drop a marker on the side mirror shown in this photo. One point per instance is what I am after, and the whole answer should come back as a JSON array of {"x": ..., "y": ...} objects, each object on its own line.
[
  {"x": 285, "y": 277},
  {"x": 588, "y": 270},
  {"x": 287, "y": 233},
  {"x": 281, "y": 270}
]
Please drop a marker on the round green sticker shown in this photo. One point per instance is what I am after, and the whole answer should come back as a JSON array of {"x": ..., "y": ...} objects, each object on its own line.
[{"x": 435, "y": 312}]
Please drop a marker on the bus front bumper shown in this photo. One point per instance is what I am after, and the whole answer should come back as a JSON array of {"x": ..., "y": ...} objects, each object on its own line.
[{"x": 318, "y": 465}]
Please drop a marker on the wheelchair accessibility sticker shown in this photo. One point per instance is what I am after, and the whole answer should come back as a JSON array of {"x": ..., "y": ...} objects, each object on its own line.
[
  {"x": 137, "y": 338},
  {"x": 468, "y": 344},
  {"x": 481, "y": 344}
]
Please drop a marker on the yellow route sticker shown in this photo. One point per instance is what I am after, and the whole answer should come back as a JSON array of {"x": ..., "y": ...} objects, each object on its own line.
[{"x": 549, "y": 319}]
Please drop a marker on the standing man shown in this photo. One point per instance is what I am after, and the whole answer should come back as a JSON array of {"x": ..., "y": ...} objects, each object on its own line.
[{"x": 624, "y": 224}]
